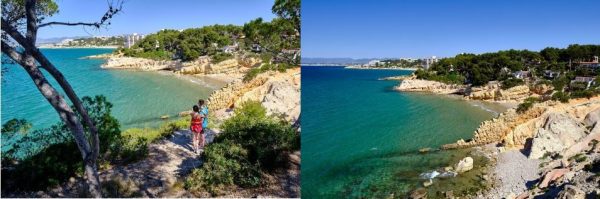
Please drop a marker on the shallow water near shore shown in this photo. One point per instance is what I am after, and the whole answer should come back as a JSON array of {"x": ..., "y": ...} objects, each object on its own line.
[
  {"x": 139, "y": 98},
  {"x": 361, "y": 138}
]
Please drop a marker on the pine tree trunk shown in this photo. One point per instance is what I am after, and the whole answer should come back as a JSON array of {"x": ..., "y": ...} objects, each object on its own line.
[{"x": 68, "y": 116}]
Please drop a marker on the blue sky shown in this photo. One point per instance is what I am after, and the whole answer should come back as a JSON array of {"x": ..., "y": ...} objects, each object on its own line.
[
  {"x": 419, "y": 28},
  {"x": 148, "y": 16}
]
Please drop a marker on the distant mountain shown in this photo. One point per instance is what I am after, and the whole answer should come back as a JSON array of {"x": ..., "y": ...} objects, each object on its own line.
[{"x": 334, "y": 61}]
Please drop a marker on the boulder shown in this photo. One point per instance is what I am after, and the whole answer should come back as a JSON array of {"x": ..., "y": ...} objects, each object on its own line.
[
  {"x": 424, "y": 150},
  {"x": 571, "y": 192},
  {"x": 559, "y": 132},
  {"x": 464, "y": 165},
  {"x": 552, "y": 176},
  {"x": 428, "y": 183},
  {"x": 420, "y": 193},
  {"x": 592, "y": 118}
]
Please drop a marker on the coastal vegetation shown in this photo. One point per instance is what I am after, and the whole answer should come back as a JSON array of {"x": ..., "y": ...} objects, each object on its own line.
[
  {"x": 251, "y": 146},
  {"x": 275, "y": 42},
  {"x": 571, "y": 71}
]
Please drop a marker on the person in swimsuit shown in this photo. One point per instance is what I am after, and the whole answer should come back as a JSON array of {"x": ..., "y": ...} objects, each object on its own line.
[{"x": 196, "y": 127}]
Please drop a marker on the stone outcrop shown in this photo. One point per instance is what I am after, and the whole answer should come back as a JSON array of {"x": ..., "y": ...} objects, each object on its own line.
[
  {"x": 464, "y": 165},
  {"x": 493, "y": 92},
  {"x": 505, "y": 128},
  {"x": 278, "y": 92},
  {"x": 203, "y": 65},
  {"x": 418, "y": 85},
  {"x": 592, "y": 118},
  {"x": 513, "y": 130},
  {"x": 542, "y": 89},
  {"x": 139, "y": 64},
  {"x": 559, "y": 132}
]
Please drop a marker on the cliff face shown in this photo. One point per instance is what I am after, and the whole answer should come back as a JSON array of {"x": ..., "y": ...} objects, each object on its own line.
[
  {"x": 202, "y": 65},
  {"x": 278, "y": 92},
  {"x": 493, "y": 92},
  {"x": 139, "y": 64},
  {"x": 418, "y": 85},
  {"x": 544, "y": 121}
]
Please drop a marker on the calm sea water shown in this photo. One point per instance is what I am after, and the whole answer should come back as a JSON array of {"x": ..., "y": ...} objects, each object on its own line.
[
  {"x": 139, "y": 98},
  {"x": 361, "y": 139}
]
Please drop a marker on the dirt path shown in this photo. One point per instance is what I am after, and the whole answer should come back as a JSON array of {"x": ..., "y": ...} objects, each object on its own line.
[{"x": 168, "y": 160}]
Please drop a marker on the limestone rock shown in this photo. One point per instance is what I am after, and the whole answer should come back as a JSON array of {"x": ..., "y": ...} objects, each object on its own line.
[
  {"x": 464, "y": 165},
  {"x": 428, "y": 183},
  {"x": 542, "y": 89},
  {"x": 139, "y": 64},
  {"x": 278, "y": 92},
  {"x": 552, "y": 176},
  {"x": 559, "y": 132},
  {"x": 592, "y": 118},
  {"x": 418, "y": 85}
]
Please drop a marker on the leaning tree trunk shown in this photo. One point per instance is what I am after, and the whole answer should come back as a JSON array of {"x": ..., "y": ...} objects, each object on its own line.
[
  {"x": 66, "y": 114},
  {"x": 71, "y": 120}
]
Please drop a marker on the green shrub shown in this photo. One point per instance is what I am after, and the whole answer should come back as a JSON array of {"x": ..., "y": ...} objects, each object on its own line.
[
  {"x": 524, "y": 107},
  {"x": 225, "y": 165},
  {"x": 251, "y": 143},
  {"x": 583, "y": 94},
  {"x": 578, "y": 158},
  {"x": 448, "y": 78},
  {"x": 219, "y": 57},
  {"x": 527, "y": 104},
  {"x": 512, "y": 82},
  {"x": 560, "y": 83},
  {"x": 133, "y": 145},
  {"x": 14, "y": 126},
  {"x": 561, "y": 96},
  {"x": 49, "y": 167}
]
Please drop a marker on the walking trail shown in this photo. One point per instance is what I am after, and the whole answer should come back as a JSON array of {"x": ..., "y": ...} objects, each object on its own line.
[{"x": 168, "y": 160}]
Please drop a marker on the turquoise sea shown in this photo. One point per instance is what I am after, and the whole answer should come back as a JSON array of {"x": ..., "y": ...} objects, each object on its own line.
[
  {"x": 138, "y": 98},
  {"x": 360, "y": 138}
]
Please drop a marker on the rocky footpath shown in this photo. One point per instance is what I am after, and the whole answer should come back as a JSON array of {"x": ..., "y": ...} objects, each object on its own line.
[
  {"x": 278, "y": 92},
  {"x": 419, "y": 85}
]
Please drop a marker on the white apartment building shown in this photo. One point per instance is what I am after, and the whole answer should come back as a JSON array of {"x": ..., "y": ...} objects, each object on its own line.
[{"x": 130, "y": 40}]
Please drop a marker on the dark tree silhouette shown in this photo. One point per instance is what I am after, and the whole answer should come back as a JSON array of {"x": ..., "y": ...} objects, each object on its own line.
[{"x": 20, "y": 23}]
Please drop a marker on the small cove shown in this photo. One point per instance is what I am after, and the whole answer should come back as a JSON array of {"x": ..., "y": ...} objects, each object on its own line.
[{"x": 361, "y": 138}]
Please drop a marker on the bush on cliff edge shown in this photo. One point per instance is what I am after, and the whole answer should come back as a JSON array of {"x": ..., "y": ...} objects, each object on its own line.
[{"x": 251, "y": 144}]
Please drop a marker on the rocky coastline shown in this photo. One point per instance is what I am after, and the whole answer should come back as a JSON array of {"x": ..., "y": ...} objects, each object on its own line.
[
  {"x": 279, "y": 92},
  {"x": 549, "y": 150}
]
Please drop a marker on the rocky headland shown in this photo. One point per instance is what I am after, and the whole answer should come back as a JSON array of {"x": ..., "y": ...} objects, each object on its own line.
[
  {"x": 492, "y": 92},
  {"x": 279, "y": 93},
  {"x": 549, "y": 150},
  {"x": 418, "y": 85},
  {"x": 203, "y": 65}
]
